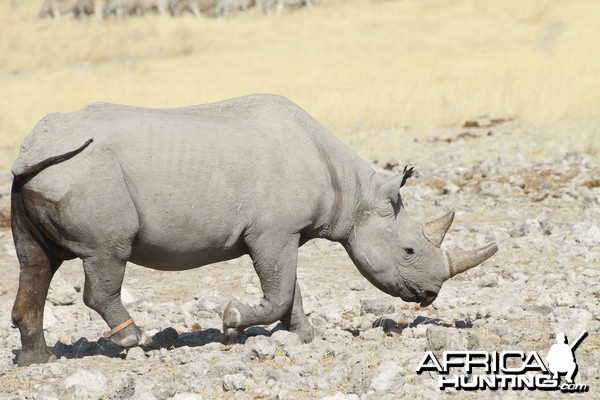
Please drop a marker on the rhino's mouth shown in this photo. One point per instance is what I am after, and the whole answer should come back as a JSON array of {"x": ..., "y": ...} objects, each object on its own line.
[
  {"x": 427, "y": 298},
  {"x": 425, "y": 303}
]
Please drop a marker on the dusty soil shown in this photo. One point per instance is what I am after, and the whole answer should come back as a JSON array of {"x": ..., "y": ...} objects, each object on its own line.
[{"x": 544, "y": 214}]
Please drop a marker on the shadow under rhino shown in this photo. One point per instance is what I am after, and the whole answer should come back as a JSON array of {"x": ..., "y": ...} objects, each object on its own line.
[{"x": 168, "y": 338}]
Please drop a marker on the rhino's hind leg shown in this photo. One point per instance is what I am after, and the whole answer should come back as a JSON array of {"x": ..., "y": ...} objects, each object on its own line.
[
  {"x": 275, "y": 260},
  {"x": 102, "y": 293},
  {"x": 38, "y": 265},
  {"x": 295, "y": 319}
]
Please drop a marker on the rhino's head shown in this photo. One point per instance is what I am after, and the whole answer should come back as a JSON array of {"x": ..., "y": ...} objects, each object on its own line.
[{"x": 401, "y": 256}]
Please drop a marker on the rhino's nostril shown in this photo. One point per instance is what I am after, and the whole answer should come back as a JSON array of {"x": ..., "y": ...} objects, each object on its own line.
[{"x": 430, "y": 294}]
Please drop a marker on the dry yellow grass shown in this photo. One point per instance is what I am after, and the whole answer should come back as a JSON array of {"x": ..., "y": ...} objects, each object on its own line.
[{"x": 361, "y": 67}]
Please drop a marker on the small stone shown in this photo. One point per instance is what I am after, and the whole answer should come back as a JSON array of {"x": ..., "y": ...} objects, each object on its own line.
[
  {"x": 442, "y": 339},
  {"x": 492, "y": 189},
  {"x": 341, "y": 396},
  {"x": 49, "y": 317},
  {"x": 126, "y": 296},
  {"x": 186, "y": 396},
  {"x": 86, "y": 384},
  {"x": 591, "y": 272},
  {"x": 298, "y": 353},
  {"x": 523, "y": 230},
  {"x": 375, "y": 306},
  {"x": 251, "y": 289},
  {"x": 450, "y": 188},
  {"x": 545, "y": 225},
  {"x": 517, "y": 180},
  {"x": 336, "y": 335},
  {"x": 388, "y": 378},
  {"x": 165, "y": 389},
  {"x": 213, "y": 303},
  {"x": 488, "y": 280},
  {"x": 592, "y": 236},
  {"x": 333, "y": 317},
  {"x": 136, "y": 353},
  {"x": 234, "y": 382},
  {"x": 501, "y": 329},
  {"x": 286, "y": 339},
  {"x": 571, "y": 321},
  {"x": 517, "y": 276},
  {"x": 357, "y": 285},
  {"x": 124, "y": 390},
  {"x": 420, "y": 331},
  {"x": 372, "y": 334},
  {"x": 259, "y": 348},
  {"x": 564, "y": 299},
  {"x": 62, "y": 293}
]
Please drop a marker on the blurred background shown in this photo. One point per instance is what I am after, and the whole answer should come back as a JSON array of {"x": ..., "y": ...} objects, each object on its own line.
[{"x": 377, "y": 73}]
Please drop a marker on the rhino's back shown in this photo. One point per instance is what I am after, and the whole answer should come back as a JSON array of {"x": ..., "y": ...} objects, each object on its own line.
[{"x": 199, "y": 176}]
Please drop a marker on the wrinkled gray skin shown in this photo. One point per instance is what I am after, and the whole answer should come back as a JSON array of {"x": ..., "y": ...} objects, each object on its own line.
[{"x": 173, "y": 189}]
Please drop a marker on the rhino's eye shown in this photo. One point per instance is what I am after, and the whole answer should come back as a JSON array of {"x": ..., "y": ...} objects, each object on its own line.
[{"x": 409, "y": 250}]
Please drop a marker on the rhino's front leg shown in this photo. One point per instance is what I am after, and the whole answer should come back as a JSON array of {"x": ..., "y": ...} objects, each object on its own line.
[
  {"x": 275, "y": 260},
  {"x": 295, "y": 319},
  {"x": 102, "y": 293}
]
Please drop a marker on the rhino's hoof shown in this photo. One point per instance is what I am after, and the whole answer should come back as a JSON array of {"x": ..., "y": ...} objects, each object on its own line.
[
  {"x": 231, "y": 315},
  {"x": 35, "y": 357},
  {"x": 232, "y": 319},
  {"x": 131, "y": 336},
  {"x": 231, "y": 334},
  {"x": 306, "y": 335},
  {"x": 145, "y": 341}
]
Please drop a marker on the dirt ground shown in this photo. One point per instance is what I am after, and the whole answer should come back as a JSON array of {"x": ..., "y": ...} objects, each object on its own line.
[{"x": 544, "y": 214}]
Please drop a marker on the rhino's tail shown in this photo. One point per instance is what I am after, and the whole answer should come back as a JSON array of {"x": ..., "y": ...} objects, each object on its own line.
[{"x": 21, "y": 169}]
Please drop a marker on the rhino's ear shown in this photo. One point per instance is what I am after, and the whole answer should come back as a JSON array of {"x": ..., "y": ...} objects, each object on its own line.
[{"x": 391, "y": 189}]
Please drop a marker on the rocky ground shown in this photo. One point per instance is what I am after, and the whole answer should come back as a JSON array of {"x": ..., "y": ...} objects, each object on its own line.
[{"x": 542, "y": 210}]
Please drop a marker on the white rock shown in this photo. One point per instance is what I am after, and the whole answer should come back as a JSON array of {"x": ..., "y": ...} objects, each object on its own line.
[
  {"x": 388, "y": 377},
  {"x": 186, "y": 396},
  {"x": 450, "y": 188},
  {"x": 87, "y": 384},
  {"x": 493, "y": 189},
  {"x": 592, "y": 237},
  {"x": 488, "y": 280},
  {"x": 234, "y": 382},
  {"x": 372, "y": 334},
  {"x": 136, "y": 353},
  {"x": 49, "y": 317},
  {"x": 564, "y": 299},
  {"x": 341, "y": 396},
  {"x": 286, "y": 339},
  {"x": 126, "y": 296},
  {"x": 357, "y": 285},
  {"x": 591, "y": 272},
  {"x": 251, "y": 289},
  {"x": 517, "y": 180},
  {"x": 259, "y": 348},
  {"x": 376, "y": 306},
  {"x": 62, "y": 293},
  {"x": 571, "y": 321}
]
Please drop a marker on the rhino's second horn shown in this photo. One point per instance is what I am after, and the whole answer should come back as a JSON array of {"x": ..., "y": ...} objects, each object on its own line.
[
  {"x": 461, "y": 261},
  {"x": 434, "y": 231}
]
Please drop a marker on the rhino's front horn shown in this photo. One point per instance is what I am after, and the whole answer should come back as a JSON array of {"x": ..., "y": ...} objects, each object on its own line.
[
  {"x": 461, "y": 261},
  {"x": 434, "y": 231}
]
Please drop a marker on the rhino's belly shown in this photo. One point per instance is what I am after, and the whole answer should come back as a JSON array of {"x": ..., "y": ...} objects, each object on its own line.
[{"x": 178, "y": 258}]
